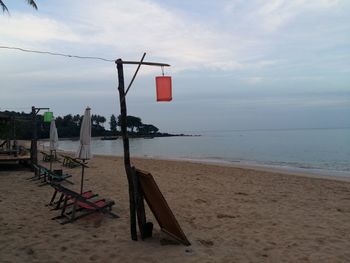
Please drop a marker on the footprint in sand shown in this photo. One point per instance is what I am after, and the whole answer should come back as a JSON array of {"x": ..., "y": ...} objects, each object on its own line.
[
  {"x": 206, "y": 243},
  {"x": 30, "y": 251},
  {"x": 63, "y": 248},
  {"x": 241, "y": 193},
  {"x": 93, "y": 258},
  {"x": 225, "y": 216},
  {"x": 200, "y": 201}
]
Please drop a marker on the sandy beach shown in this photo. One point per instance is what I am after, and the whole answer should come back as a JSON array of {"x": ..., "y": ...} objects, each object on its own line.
[{"x": 229, "y": 214}]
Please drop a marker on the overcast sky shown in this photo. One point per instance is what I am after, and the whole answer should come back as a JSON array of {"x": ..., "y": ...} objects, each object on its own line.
[{"x": 235, "y": 64}]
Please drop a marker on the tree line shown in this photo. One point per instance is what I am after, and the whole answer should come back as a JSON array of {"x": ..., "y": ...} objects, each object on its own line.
[{"x": 19, "y": 125}]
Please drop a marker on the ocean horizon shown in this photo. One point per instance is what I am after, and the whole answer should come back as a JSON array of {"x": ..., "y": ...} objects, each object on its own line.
[{"x": 317, "y": 151}]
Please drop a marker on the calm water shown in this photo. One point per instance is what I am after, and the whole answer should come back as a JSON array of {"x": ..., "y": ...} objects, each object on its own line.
[{"x": 324, "y": 151}]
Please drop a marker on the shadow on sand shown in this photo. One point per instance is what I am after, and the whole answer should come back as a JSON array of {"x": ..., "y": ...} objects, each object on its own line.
[{"x": 13, "y": 167}]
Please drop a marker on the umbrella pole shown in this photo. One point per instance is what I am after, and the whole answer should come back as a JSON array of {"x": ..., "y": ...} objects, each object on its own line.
[
  {"x": 50, "y": 160},
  {"x": 82, "y": 177}
]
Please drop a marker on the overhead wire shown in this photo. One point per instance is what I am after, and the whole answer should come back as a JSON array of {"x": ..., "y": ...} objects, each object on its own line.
[
  {"x": 14, "y": 108},
  {"x": 56, "y": 54}
]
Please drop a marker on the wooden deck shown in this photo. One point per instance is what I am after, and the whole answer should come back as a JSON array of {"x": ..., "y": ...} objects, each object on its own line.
[{"x": 12, "y": 158}]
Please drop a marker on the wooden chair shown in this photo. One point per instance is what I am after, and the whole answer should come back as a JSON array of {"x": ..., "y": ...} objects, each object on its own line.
[
  {"x": 69, "y": 161},
  {"x": 76, "y": 205},
  {"x": 46, "y": 176}
]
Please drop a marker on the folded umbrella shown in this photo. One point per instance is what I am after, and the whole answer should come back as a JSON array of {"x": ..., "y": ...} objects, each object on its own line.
[{"x": 84, "y": 150}]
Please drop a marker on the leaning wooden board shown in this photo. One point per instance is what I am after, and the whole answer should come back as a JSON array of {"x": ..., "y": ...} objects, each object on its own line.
[{"x": 160, "y": 207}]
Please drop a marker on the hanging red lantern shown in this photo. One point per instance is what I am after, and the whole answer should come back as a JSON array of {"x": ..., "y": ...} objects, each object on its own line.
[{"x": 163, "y": 85}]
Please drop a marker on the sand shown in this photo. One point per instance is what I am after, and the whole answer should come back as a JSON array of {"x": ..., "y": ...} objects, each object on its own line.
[{"x": 229, "y": 215}]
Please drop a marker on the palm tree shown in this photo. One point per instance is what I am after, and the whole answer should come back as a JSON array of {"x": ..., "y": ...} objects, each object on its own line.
[{"x": 30, "y": 2}]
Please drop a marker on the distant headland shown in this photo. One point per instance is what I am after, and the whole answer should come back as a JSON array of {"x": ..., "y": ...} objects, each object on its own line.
[{"x": 68, "y": 126}]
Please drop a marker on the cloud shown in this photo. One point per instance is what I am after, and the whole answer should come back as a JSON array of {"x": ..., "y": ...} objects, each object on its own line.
[
  {"x": 235, "y": 53},
  {"x": 26, "y": 28},
  {"x": 131, "y": 27},
  {"x": 254, "y": 80},
  {"x": 271, "y": 16},
  {"x": 127, "y": 29}
]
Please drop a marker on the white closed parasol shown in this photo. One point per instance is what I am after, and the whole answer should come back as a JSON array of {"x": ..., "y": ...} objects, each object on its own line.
[
  {"x": 84, "y": 151},
  {"x": 53, "y": 140}
]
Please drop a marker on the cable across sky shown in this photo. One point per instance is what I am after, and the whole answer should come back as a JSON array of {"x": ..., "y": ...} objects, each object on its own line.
[{"x": 56, "y": 54}]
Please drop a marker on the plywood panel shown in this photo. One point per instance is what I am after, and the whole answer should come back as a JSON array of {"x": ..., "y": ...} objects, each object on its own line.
[{"x": 160, "y": 207}]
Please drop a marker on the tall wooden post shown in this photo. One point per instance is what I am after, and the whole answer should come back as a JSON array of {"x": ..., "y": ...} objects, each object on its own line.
[
  {"x": 33, "y": 148},
  {"x": 14, "y": 145},
  {"x": 137, "y": 208},
  {"x": 34, "y": 142},
  {"x": 127, "y": 165}
]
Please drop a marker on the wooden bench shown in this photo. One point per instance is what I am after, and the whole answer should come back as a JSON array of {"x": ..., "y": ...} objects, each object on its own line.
[
  {"x": 47, "y": 157},
  {"x": 69, "y": 161}
]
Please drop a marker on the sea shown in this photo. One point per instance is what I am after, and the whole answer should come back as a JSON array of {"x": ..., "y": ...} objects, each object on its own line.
[{"x": 314, "y": 151}]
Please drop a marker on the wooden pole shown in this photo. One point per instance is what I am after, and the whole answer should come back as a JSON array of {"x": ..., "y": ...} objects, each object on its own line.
[
  {"x": 34, "y": 142},
  {"x": 140, "y": 207},
  {"x": 133, "y": 78},
  {"x": 137, "y": 209},
  {"x": 33, "y": 148},
  {"x": 128, "y": 170},
  {"x": 51, "y": 157},
  {"x": 144, "y": 63},
  {"x": 14, "y": 147},
  {"x": 82, "y": 177}
]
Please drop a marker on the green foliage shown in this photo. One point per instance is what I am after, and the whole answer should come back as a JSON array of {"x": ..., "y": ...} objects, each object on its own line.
[
  {"x": 113, "y": 124},
  {"x": 68, "y": 126},
  {"x": 5, "y": 9},
  {"x": 4, "y": 130},
  {"x": 97, "y": 129},
  {"x": 15, "y": 125},
  {"x": 132, "y": 122},
  {"x": 148, "y": 129}
]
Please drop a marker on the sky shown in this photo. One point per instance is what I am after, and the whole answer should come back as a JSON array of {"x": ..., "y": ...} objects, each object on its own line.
[{"x": 235, "y": 65}]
